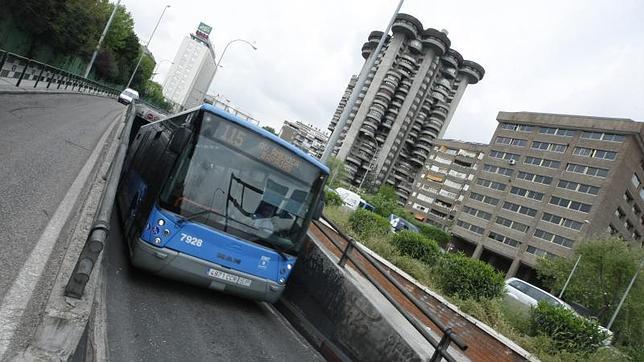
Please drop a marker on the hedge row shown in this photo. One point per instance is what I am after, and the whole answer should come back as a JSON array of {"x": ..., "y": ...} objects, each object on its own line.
[
  {"x": 417, "y": 246},
  {"x": 569, "y": 332},
  {"x": 368, "y": 224},
  {"x": 464, "y": 277}
]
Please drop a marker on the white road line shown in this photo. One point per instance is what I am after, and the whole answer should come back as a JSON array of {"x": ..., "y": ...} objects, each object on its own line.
[{"x": 16, "y": 300}]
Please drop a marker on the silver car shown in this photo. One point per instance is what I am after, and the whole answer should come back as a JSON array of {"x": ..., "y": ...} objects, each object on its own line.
[{"x": 522, "y": 296}]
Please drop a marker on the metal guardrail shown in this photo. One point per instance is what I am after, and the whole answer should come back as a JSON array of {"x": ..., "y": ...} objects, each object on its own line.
[
  {"x": 101, "y": 227},
  {"x": 449, "y": 336},
  {"x": 14, "y": 66}
]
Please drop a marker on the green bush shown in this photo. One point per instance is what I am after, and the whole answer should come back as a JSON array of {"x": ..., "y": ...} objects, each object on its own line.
[
  {"x": 568, "y": 331},
  {"x": 331, "y": 198},
  {"x": 367, "y": 224},
  {"x": 432, "y": 232},
  {"x": 468, "y": 278},
  {"x": 417, "y": 246}
]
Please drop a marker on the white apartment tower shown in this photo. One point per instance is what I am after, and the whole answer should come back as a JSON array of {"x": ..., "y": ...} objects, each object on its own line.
[{"x": 192, "y": 70}]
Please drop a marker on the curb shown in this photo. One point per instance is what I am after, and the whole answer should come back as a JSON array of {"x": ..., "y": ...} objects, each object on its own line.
[
  {"x": 64, "y": 320},
  {"x": 19, "y": 90}
]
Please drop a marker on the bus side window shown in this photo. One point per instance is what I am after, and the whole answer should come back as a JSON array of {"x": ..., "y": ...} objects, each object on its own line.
[{"x": 138, "y": 160}]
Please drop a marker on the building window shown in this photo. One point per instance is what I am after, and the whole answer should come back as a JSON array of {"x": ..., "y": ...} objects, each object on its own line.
[
  {"x": 483, "y": 198},
  {"x": 473, "y": 228},
  {"x": 599, "y": 154},
  {"x": 425, "y": 198},
  {"x": 477, "y": 213},
  {"x": 642, "y": 194},
  {"x": 546, "y": 146},
  {"x": 542, "y": 162},
  {"x": 611, "y": 137},
  {"x": 526, "y": 193},
  {"x": 448, "y": 194},
  {"x": 457, "y": 174},
  {"x": 574, "y": 186},
  {"x": 561, "y": 221},
  {"x": 539, "y": 252},
  {"x": 570, "y": 204},
  {"x": 516, "y": 127},
  {"x": 442, "y": 160},
  {"x": 557, "y": 131},
  {"x": 587, "y": 170},
  {"x": 452, "y": 184},
  {"x": 556, "y": 239},
  {"x": 419, "y": 207},
  {"x": 628, "y": 225},
  {"x": 491, "y": 184},
  {"x": 611, "y": 229},
  {"x": 504, "y": 155},
  {"x": 520, "y": 209},
  {"x": 511, "y": 141},
  {"x": 627, "y": 197},
  {"x": 503, "y": 239},
  {"x": 496, "y": 169},
  {"x": 546, "y": 180},
  {"x": 512, "y": 224},
  {"x": 635, "y": 180}
]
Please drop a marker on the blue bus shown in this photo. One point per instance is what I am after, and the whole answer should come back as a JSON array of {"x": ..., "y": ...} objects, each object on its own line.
[{"x": 212, "y": 200}]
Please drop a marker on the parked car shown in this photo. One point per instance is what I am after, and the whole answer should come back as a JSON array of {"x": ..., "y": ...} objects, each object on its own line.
[
  {"x": 398, "y": 224},
  {"x": 352, "y": 200},
  {"x": 128, "y": 95},
  {"x": 522, "y": 296}
]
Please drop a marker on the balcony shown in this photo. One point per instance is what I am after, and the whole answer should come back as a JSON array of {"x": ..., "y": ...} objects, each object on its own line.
[{"x": 408, "y": 25}]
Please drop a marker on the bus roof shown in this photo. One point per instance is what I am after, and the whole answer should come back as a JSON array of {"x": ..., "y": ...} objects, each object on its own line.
[{"x": 264, "y": 133}]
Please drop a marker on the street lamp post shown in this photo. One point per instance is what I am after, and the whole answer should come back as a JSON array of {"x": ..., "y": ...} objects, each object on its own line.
[
  {"x": 224, "y": 52},
  {"x": 100, "y": 40},
  {"x": 373, "y": 157},
  {"x": 146, "y": 46},
  {"x": 159, "y": 65}
]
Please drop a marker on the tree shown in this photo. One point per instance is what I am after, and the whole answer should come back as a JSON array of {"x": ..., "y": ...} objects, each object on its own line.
[
  {"x": 153, "y": 93},
  {"x": 386, "y": 202},
  {"x": 270, "y": 129},
  {"x": 605, "y": 269},
  {"x": 337, "y": 172}
]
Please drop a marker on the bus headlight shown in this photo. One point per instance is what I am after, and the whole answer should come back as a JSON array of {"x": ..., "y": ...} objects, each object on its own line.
[
  {"x": 289, "y": 266},
  {"x": 161, "y": 222},
  {"x": 157, "y": 241},
  {"x": 282, "y": 280}
]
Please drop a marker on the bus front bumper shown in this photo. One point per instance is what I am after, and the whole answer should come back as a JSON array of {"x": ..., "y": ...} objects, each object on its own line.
[{"x": 175, "y": 265}]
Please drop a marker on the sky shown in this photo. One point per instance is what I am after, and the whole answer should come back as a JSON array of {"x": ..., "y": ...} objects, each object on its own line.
[{"x": 571, "y": 57}]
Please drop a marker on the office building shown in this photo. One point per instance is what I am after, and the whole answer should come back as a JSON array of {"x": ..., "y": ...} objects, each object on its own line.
[
  {"x": 549, "y": 182},
  {"x": 308, "y": 138},
  {"x": 409, "y": 99},
  {"x": 439, "y": 188},
  {"x": 192, "y": 71}
]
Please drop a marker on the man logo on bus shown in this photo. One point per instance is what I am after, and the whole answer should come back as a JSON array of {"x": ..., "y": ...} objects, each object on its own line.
[{"x": 263, "y": 262}]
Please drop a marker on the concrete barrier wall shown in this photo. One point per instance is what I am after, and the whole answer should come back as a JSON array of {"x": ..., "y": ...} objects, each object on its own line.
[{"x": 344, "y": 316}]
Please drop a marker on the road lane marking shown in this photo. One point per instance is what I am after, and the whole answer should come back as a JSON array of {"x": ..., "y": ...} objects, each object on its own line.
[{"x": 17, "y": 299}]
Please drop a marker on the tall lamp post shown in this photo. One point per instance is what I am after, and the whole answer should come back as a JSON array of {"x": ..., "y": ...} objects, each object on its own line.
[
  {"x": 100, "y": 40},
  {"x": 146, "y": 46},
  {"x": 224, "y": 52},
  {"x": 373, "y": 157}
]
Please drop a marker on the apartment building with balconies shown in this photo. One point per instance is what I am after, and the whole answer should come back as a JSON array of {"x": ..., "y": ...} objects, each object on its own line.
[
  {"x": 549, "y": 182},
  {"x": 440, "y": 186},
  {"x": 305, "y": 136},
  {"x": 408, "y": 100}
]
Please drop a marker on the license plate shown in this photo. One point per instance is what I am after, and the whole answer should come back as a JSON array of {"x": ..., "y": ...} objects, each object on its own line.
[{"x": 229, "y": 277}]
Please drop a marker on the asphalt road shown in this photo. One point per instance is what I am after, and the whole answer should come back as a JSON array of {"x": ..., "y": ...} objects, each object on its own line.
[
  {"x": 44, "y": 141},
  {"x": 154, "y": 319}
]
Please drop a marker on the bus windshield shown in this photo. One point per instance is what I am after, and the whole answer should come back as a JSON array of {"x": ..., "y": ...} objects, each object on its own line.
[{"x": 234, "y": 180}]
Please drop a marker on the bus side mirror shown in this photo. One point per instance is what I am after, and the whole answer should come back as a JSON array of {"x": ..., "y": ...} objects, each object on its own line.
[
  {"x": 319, "y": 207},
  {"x": 179, "y": 140}
]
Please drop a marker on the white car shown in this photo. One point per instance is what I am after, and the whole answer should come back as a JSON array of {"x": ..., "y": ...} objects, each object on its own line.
[
  {"x": 352, "y": 200},
  {"x": 523, "y": 296},
  {"x": 128, "y": 95}
]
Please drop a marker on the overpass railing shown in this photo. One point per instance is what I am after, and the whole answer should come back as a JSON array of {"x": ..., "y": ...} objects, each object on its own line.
[
  {"x": 19, "y": 71},
  {"x": 448, "y": 335}
]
